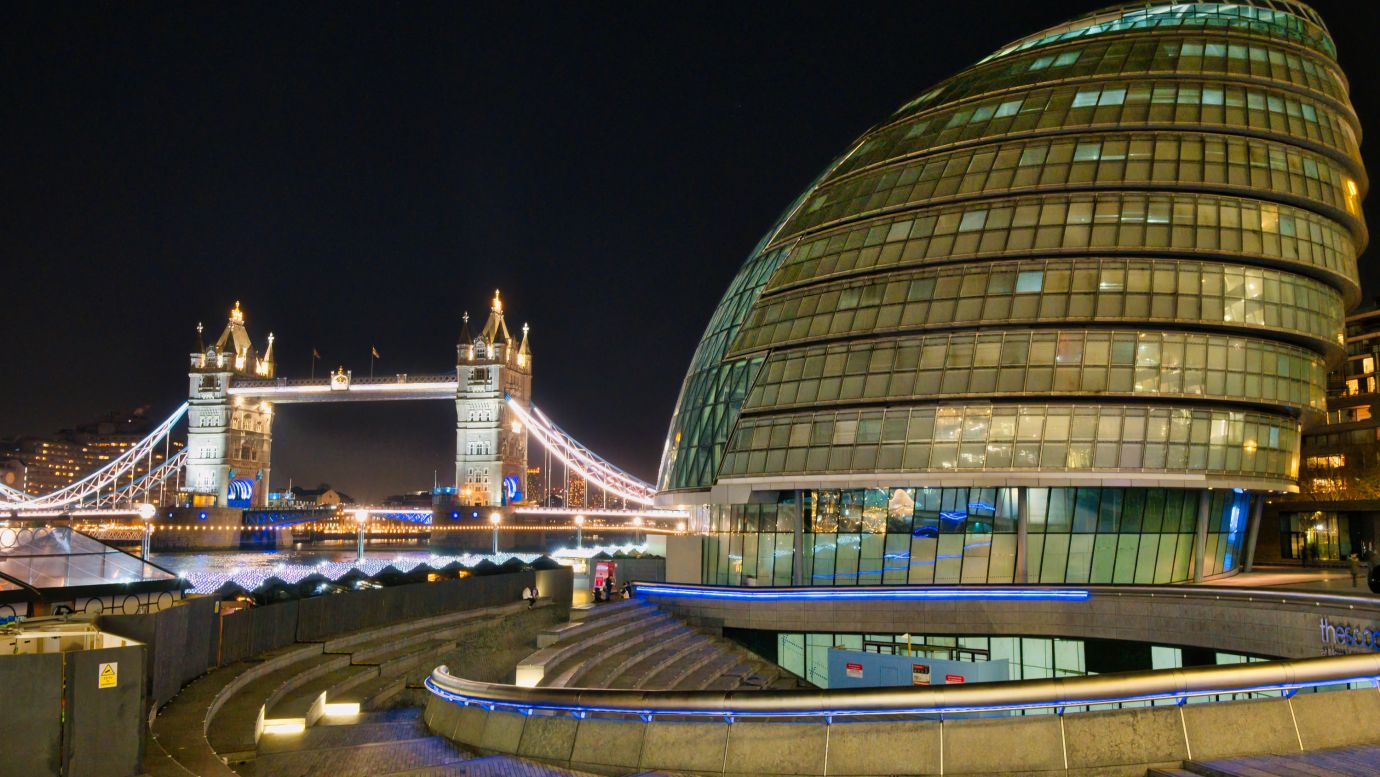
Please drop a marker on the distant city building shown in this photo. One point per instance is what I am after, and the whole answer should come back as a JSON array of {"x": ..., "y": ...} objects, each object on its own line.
[
  {"x": 414, "y": 499},
  {"x": 491, "y": 444},
  {"x": 38, "y": 465},
  {"x": 576, "y": 493},
  {"x": 536, "y": 486},
  {"x": 321, "y": 496},
  {"x": 1337, "y": 509}
]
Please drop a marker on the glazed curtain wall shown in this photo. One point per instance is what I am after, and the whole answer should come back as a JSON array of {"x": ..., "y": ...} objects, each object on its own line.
[{"x": 937, "y": 536}]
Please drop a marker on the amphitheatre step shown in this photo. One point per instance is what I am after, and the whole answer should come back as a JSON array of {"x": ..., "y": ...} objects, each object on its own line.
[
  {"x": 1363, "y": 761},
  {"x": 616, "y": 612},
  {"x": 399, "y": 660},
  {"x": 670, "y": 675},
  {"x": 391, "y": 715},
  {"x": 601, "y": 673},
  {"x": 231, "y": 731},
  {"x": 361, "y": 760},
  {"x": 489, "y": 766},
  {"x": 593, "y": 669},
  {"x": 666, "y": 655},
  {"x": 563, "y": 657},
  {"x": 373, "y": 694},
  {"x": 708, "y": 672},
  {"x": 297, "y": 703},
  {"x": 328, "y": 737}
]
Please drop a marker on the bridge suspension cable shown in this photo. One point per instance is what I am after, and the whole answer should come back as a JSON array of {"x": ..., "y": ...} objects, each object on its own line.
[
  {"x": 593, "y": 468},
  {"x": 103, "y": 485}
]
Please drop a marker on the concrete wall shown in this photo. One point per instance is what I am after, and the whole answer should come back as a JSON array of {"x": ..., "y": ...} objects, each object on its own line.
[
  {"x": 1256, "y": 623},
  {"x": 180, "y": 640},
  {"x": 56, "y": 719},
  {"x": 1117, "y": 742},
  {"x": 684, "y": 558},
  {"x": 31, "y": 717},
  {"x": 186, "y": 640}
]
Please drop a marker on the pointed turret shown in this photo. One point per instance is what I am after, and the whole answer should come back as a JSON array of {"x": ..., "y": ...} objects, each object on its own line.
[
  {"x": 495, "y": 330},
  {"x": 200, "y": 341},
  {"x": 264, "y": 366},
  {"x": 466, "y": 338},
  {"x": 524, "y": 354}
]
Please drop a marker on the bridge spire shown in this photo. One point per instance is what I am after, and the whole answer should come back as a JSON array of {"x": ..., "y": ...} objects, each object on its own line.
[{"x": 495, "y": 328}]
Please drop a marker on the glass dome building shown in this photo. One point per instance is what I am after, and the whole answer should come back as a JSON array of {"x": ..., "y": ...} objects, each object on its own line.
[{"x": 1060, "y": 318}]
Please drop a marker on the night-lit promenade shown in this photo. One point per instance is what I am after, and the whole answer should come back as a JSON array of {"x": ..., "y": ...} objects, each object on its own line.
[{"x": 383, "y": 401}]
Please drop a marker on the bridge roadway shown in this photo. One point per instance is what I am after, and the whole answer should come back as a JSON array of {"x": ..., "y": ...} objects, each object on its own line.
[{"x": 294, "y": 390}]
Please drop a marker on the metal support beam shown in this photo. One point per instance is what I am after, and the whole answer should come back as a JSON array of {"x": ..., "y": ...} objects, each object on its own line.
[
  {"x": 1200, "y": 542},
  {"x": 798, "y": 541},
  {"x": 1253, "y": 531},
  {"x": 1022, "y": 533}
]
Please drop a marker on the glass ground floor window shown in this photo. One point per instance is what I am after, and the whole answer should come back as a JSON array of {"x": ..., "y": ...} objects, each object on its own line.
[
  {"x": 1314, "y": 536},
  {"x": 1029, "y": 658},
  {"x": 939, "y": 536}
]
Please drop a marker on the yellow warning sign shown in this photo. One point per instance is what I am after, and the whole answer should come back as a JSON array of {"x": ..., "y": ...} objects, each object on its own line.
[{"x": 110, "y": 675}]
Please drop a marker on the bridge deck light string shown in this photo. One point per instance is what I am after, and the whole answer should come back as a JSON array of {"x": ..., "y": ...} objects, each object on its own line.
[
  {"x": 92, "y": 484},
  {"x": 594, "y": 469}
]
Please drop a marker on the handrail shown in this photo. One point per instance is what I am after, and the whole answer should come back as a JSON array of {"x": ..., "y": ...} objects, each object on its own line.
[
  {"x": 1179, "y": 685},
  {"x": 1050, "y": 693}
]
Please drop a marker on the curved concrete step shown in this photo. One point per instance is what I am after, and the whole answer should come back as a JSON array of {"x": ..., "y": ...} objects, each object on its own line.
[
  {"x": 234, "y": 727},
  {"x": 548, "y": 663},
  {"x": 668, "y": 655},
  {"x": 605, "y": 673},
  {"x": 299, "y": 703},
  {"x": 618, "y": 612},
  {"x": 593, "y": 672},
  {"x": 669, "y": 676},
  {"x": 567, "y": 657},
  {"x": 708, "y": 672}
]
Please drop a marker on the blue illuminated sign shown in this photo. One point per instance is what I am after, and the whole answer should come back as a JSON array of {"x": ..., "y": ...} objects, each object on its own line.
[
  {"x": 512, "y": 492},
  {"x": 873, "y": 594}
]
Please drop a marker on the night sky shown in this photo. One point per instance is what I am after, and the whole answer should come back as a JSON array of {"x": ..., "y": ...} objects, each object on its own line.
[{"x": 359, "y": 175}]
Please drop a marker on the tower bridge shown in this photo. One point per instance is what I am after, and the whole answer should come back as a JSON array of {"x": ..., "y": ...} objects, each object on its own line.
[{"x": 233, "y": 389}]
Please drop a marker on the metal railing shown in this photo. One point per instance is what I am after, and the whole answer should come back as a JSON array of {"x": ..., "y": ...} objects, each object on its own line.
[
  {"x": 1057, "y": 695},
  {"x": 1054, "y": 694}
]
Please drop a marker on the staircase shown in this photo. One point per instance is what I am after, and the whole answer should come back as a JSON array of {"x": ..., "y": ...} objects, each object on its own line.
[
  {"x": 390, "y": 743},
  {"x": 634, "y": 644}
]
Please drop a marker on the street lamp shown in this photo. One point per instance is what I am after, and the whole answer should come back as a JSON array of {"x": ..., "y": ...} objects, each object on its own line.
[
  {"x": 146, "y": 513},
  {"x": 637, "y": 532},
  {"x": 495, "y": 519},
  {"x": 579, "y": 531},
  {"x": 361, "y": 520}
]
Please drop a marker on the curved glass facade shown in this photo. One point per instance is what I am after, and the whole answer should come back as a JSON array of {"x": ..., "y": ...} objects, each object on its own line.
[{"x": 1061, "y": 318}]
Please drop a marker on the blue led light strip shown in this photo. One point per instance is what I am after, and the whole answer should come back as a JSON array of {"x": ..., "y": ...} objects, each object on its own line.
[
  {"x": 798, "y": 594},
  {"x": 582, "y": 710}
]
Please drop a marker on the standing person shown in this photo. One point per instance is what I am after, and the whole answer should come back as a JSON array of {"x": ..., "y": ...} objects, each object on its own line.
[
  {"x": 1354, "y": 561},
  {"x": 608, "y": 588},
  {"x": 536, "y": 594}
]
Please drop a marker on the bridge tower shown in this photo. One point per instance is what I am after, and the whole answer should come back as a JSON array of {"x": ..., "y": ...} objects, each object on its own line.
[
  {"x": 228, "y": 440},
  {"x": 490, "y": 442}
]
